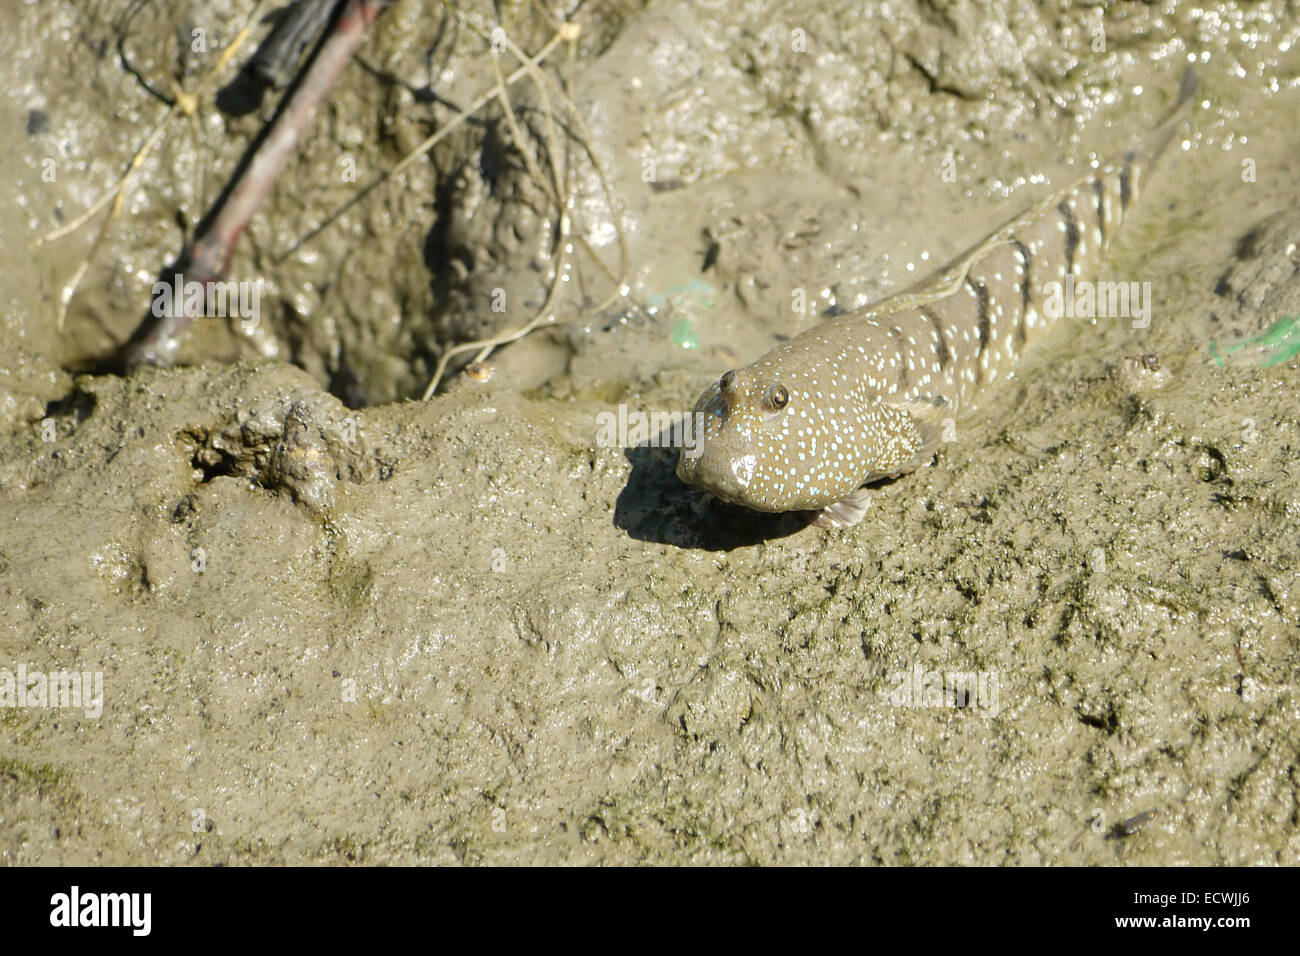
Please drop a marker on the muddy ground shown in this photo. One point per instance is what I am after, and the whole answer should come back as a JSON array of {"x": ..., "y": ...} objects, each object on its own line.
[{"x": 338, "y": 624}]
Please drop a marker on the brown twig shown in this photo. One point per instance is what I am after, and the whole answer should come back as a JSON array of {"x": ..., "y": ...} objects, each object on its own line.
[{"x": 207, "y": 260}]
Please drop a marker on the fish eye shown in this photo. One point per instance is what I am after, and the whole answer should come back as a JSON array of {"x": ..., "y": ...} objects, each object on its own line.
[
  {"x": 727, "y": 381},
  {"x": 777, "y": 397}
]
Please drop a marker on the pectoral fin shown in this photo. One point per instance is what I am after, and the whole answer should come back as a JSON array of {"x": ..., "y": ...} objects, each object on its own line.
[
  {"x": 923, "y": 420},
  {"x": 845, "y": 513},
  {"x": 920, "y": 423}
]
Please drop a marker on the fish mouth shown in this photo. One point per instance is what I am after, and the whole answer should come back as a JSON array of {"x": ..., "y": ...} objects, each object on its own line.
[
  {"x": 711, "y": 465},
  {"x": 693, "y": 469},
  {"x": 728, "y": 479},
  {"x": 686, "y": 466},
  {"x": 711, "y": 411}
]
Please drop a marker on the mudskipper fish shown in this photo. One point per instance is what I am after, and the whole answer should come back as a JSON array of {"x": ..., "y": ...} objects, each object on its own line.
[{"x": 865, "y": 396}]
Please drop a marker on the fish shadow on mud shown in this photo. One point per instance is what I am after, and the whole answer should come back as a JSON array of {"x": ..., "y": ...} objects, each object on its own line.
[{"x": 656, "y": 505}]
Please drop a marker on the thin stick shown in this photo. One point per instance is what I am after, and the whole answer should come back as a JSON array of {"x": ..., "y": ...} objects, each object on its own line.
[
  {"x": 157, "y": 339},
  {"x": 416, "y": 153},
  {"x": 557, "y": 193},
  {"x": 584, "y": 137},
  {"x": 569, "y": 32}
]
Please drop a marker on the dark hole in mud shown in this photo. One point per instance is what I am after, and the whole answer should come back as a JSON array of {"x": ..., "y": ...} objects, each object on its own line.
[
  {"x": 79, "y": 404},
  {"x": 1107, "y": 721},
  {"x": 187, "y": 507},
  {"x": 346, "y": 385},
  {"x": 1211, "y": 465},
  {"x": 242, "y": 96},
  {"x": 213, "y": 466}
]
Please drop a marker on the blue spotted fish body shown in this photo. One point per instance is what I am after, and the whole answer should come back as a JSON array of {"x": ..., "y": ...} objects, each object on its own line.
[{"x": 868, "y": 395}]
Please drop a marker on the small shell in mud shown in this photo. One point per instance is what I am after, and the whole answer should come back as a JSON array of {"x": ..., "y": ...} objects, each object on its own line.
[
  {"x": 1141, "y": 372},
  {"x": 479, "y": 372}
]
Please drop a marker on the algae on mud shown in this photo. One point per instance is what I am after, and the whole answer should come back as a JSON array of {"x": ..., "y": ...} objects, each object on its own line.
[{"x": 462, "y": 631}]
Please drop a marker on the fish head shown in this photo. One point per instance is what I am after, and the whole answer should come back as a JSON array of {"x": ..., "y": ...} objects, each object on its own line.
[{"x": 766, "y": 440}]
